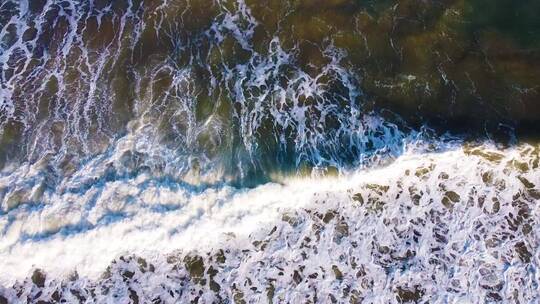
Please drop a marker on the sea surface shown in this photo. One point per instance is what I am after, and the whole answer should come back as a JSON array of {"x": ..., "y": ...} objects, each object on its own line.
[{"x": 269, "y": 151}]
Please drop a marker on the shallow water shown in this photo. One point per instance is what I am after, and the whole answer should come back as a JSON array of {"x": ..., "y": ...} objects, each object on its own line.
[{"x": 280, "y": 151}]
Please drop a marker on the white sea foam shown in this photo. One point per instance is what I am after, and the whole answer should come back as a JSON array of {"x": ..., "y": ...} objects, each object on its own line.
[
  {"x": 459, "y": 225},
  {"x": 62, "y": 106}
]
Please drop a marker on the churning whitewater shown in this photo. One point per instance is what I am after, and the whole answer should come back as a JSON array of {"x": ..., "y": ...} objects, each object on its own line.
[
  {"x": 454, "y": 226},
  {"x": 236, "y": 152}
]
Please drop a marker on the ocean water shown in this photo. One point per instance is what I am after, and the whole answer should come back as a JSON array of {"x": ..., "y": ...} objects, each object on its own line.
[{"x": 268, "y": 151}]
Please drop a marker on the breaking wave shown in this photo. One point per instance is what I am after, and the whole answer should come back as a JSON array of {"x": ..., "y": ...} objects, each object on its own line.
[{"x": 451, "y": 226}]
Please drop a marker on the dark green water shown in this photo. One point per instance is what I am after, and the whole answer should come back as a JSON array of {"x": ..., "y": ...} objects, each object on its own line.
[{"x": 467, "y": 67}]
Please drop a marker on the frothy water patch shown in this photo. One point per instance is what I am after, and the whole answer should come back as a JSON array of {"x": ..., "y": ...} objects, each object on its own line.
[
  {"x": 194, "y": 97},
  {"x": 454, "y": 226},
  {"x": 138, "y": 215}
]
